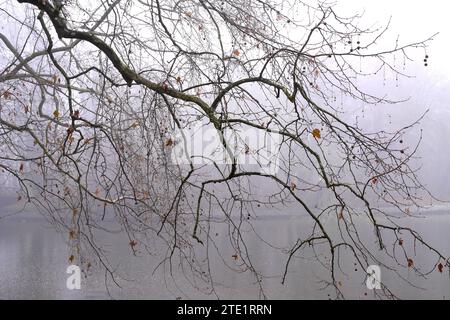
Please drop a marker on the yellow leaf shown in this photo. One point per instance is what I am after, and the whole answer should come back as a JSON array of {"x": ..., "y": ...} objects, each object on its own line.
[
  {"x": 135, "y": 125},
  {"x": 56, "y": 114}
]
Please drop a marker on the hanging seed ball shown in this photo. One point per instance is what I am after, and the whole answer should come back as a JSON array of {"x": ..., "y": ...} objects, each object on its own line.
[
  {"x": 426, "y": 64},
  {"x": 329, "y": 56},
  {"x": 401, "y": 141},
  {"x": 358, "y": 42},
  {"x": 349, "y": 42},
  {"x": 426, "y": 57}
]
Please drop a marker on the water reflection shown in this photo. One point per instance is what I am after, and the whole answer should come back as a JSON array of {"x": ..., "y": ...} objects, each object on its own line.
[{"x": 33, "y": 262}]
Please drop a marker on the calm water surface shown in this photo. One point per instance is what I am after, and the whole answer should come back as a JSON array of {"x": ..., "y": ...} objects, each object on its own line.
[{"x": 33, "y": 262}]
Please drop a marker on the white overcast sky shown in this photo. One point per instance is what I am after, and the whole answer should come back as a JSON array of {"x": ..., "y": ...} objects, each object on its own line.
[{"x": 413, "y": 20}]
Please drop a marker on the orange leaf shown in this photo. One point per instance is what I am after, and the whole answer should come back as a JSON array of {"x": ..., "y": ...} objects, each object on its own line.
[
  {"x": 293, "y": 186},
  {"x": 410, "y": 263},
  {"x": 400, "y": 242},
  {"x": 169, "y": 142},
  {"x": 71, "y": 258},
  {"x": 440, "y": 267},
  {"x": 56, "y": 114},
  {"x": 133, "y": 243},
  {"x": 316, "y": 133},
  {"x": 6, "y": 94},
  {"x": 235, "y": 256},
  {"x": 66, "y": 190},
  {"x": 236, "y": 52}
]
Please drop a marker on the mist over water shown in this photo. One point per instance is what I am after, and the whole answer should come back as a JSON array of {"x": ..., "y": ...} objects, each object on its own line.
[{"x": 33, "y": 262}]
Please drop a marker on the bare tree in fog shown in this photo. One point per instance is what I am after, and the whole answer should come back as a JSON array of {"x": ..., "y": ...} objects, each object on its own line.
[{"x": 96, "y": 95}]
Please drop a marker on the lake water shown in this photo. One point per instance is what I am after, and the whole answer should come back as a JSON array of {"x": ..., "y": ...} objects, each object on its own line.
[{"x": 33, "y": 262}]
